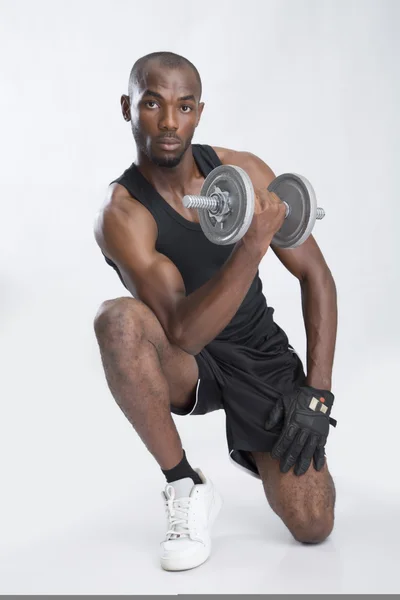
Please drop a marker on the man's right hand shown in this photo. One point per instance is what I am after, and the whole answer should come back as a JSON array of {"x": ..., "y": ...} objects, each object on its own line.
[{"x": 269, "y": 215}]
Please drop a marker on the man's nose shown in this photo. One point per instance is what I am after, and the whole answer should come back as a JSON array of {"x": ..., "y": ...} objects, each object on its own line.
[{"x": 168, "y": 120}]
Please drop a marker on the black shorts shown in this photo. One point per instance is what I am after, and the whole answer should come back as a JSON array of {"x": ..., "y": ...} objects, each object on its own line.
[{"x": 245, "y": 382}]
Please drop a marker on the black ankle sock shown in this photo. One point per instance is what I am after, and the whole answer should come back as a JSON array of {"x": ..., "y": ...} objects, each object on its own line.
[{"x": 182, "y": 469}]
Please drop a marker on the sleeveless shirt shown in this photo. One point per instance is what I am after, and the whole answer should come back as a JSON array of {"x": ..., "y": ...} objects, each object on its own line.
[{"x": 196, "y": 258}]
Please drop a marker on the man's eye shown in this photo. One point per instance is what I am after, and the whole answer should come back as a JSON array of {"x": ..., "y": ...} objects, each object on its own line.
[
  {"x": 188, "y": 107},
  {"x": 151, "y": 102}
]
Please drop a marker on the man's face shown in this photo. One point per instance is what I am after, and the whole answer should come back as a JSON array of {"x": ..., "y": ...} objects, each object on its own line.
[{"x": 165, "y": 111}]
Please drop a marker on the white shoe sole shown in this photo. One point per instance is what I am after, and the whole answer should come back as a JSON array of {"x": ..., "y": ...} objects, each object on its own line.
[{"x": 183, "y": 563}]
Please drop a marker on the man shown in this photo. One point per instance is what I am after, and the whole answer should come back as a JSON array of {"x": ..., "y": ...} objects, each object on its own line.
[{"x": 198, "y": 336}]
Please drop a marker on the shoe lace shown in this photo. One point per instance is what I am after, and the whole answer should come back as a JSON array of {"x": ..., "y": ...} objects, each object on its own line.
[{"x": 178, "y": 514}]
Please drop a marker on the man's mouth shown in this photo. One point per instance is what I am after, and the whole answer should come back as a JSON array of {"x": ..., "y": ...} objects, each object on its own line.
[{"x": 168, "y": 143}]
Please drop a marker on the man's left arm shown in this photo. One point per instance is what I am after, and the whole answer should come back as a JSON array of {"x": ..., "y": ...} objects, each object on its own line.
[
  {"x": 306, "y": 413},
  {"x": 319, "y": 304},
  {"x": 318, "y": 293}
]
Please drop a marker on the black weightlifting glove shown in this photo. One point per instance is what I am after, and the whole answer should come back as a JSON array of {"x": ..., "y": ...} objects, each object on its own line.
[{"x": 305, "y": 415}]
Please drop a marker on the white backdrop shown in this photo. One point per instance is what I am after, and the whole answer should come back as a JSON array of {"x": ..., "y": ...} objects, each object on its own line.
[{"x": 310, "y": 86}]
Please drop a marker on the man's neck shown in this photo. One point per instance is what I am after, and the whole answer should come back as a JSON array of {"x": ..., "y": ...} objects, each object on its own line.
[{"x": 175, "y": 179}]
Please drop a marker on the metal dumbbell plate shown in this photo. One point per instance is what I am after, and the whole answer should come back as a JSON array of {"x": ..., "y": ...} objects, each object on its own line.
[
  {"x": 232, "y": 226},
  {"x": 299, "y": 194}
]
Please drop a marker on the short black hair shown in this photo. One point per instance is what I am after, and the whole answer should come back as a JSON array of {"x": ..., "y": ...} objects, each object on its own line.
[{"x": 169, "y": 60}]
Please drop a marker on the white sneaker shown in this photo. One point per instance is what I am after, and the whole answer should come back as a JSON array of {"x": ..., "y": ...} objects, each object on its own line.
[{"x": 191, "y": 510}]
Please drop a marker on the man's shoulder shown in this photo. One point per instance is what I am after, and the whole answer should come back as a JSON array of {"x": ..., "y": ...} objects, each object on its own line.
[
  {"x": 117, "y": 198},
  {"x": 259, "y": 171},
  {"x": 119, "y": 204},
  {"x": 226, "y": 154},
  {"x": 229, "y": 156},
  {"x": 248, "y": 161}
]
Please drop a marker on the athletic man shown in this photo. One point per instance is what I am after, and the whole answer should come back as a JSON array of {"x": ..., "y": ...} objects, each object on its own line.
[{"x": 198, "y": 335}]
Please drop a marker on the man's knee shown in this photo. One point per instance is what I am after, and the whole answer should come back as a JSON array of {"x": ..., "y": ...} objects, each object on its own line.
[
  {"x": 114, "y": 315},
  {"x": 311, "y": 527}
]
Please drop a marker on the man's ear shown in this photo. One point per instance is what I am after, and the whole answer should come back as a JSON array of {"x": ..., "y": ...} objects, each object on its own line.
[
  {"x": 126, "y": 107},
  {"x": 200, "y": 112}
]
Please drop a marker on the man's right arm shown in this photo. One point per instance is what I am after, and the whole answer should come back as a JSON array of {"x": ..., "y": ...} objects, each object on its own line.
[{"x": 126, "y": 232}]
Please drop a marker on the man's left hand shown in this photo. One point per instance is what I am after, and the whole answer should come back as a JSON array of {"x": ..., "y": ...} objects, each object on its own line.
[{"x": 305, "y": 415}]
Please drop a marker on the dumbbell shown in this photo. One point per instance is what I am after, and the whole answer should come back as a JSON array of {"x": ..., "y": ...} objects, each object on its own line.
[{"x": 226, "y": 206}]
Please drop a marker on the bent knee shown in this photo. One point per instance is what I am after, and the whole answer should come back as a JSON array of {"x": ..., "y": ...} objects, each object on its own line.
[
  {"x": 114, "y": 314},
  {"x": 312, "y": 529}
]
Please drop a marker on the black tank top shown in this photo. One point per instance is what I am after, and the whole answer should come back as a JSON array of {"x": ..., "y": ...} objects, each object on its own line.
[{"x": 196, "y": 258}]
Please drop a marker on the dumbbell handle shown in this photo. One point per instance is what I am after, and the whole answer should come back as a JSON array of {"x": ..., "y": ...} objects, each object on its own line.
[{"x": 214, "y": 204}]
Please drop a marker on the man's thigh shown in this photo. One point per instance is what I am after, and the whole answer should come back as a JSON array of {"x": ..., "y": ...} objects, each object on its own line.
[{"x": 179, "y": 368}]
